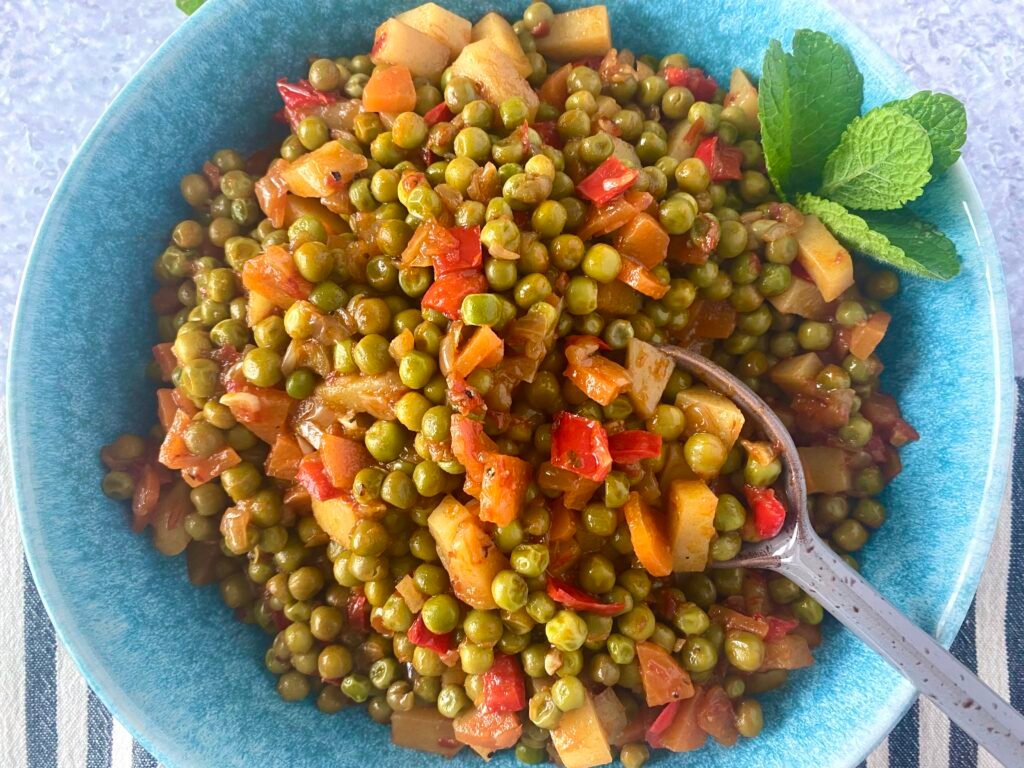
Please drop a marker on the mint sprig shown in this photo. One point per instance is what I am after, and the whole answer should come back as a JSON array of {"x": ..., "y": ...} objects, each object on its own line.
[
  {"x": 188, "y": 7},
  {"x": 857, "y": 173}
]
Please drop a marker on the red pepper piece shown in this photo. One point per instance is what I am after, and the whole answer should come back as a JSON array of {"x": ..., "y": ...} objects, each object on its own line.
[
  {"x": 579, "y": 600},
  {"x": 438, "y": 114},
  {"x": 580, "y": 445},
  {"x": 633, "y": 445},
  {"x": 468, "y": 255},
  {"x": 314, "y": 479},
  {"x": 504, "y": 686},
  {"x": 722, "y": 160},
  {"x": 420, "y": 635},
  {"x": 778, "y": 627},
  {"x": 769, "y": 514},
  {"x": 357, "y": 611},
  {"x": 662, "y": 722},
  {"x": 609, "y": 180},
  {"x": 447, "y": 293},
  {"x": 300, "y": 99},
  {"x": 699, "y": 83},
  {"x": 585, "y": 339}
]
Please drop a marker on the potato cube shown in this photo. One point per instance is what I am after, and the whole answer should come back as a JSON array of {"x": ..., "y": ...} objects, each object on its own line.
[
  {"x": 691, "y": 524},
  {"x": 801, "y": 298},
  {"x": 708, "y": 411},
  {"x": 467, "y": 552},
  {"x": 649, "y": 369},
  {"x": 743, "y": 94},
  {"x": 397, "y": 43},
  {"x": 495, "y": 74},
  {"x": 577, "y": 34},
  {"x": 495, "y": 28},
  {"x": 826, "y": 261},
  {"x": 580, "y": 738},
  {"x": 441, "y": 24}
]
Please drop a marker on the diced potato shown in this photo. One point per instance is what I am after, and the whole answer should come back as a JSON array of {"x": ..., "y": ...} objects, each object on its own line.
[
  {"x": 441, "y": 24},
  {"x": 397, "y": 43},
  {"x": 425, "y": 730},
  {"x": 683, "y": 141},
  {"x": 337, "y": 517},
  {"x": 580, "y": 739},
  {"x": 796, "y": 375},
  {"x": 467, "y": 553},
  {"x": 495, "y": 74},
  {"x": 826, "y": 261},
  {"x": 825, "y": 469},
  {"x": 743, "y": 94},
  {"x": 708, "y": 411},
  {"x": 649, "y": 369},
  {"x": 323, "y": 171},
  {"x": 495, "y": 28},
  {"x": 676, "y": 466},
  {"x": 577, "y": 34},
  {"x": 259, "y": 307},
  {"x": 691, "y": 524},
  {"x": 801, "y": 298}
]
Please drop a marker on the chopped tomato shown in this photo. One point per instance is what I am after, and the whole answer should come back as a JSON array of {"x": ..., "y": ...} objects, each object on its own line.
[
  {"x": 195, "y": 470},
  {"x": 301, "y": 99},
  {"x": 579, "y": 600},
  {"x": 272, "y": 192},
  {"x": 778, "y": 628},
  {"x": 342, "y": 459},
  {"x": 488, "y": 731},
  {"x": 390, "y": 89},
  {"x": 165, "y": 359},
  {"x": 663, "y": 678},
  {"x": 145, "y": 496},
  {"x": 420, "y": 635},
  {"x": 717, "y": 718},
  {"x": 661, "y": 723},
  {"x": 262, "y": 409},
  {"x": 166, "y": 407},
  {"x": 580, "y": 445},
  {"x": 274, "y": 275},
  {"x": 548, "y": 132},
  {"x": 698, "y": 82},
  {"x": 503, "y": 488},
  {"x": 314, "y": 479},
  {"x": 485, "y": 349},
  {"x": 731, "y": 619},
  {"x": 284, "y": 457},
  {"x": 467, "y": 253},
  {"x": 643, "y": 240},
  {"x": 769, "y": 514},
  {"x": 357, "y": 611},
  {"x": 598, "y": 377},
  {"x": 683, "y": 733},
  {"x": 446, "y": 294},
  {"x": 634, "y": 445},
  {"x": 431, "y": 243},
  {"x": 602, "y": 219},
  {"x": 438, "y": 114},
  {"x": 722, "y": 160},
  {"x": 609, "y": 180},
  {"x": 649, "y": 540},
  {"x": 470, "y": 445},
  {"x": 504, "y": 686},
  {"x": 641, "y": 279}
]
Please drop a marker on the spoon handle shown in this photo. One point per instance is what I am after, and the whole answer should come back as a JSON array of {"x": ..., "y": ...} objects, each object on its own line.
[{"x": 953, "y": 688}]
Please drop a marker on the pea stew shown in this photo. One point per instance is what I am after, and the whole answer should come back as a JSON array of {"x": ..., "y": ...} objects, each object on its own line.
[{"x": 414, "y": 422}]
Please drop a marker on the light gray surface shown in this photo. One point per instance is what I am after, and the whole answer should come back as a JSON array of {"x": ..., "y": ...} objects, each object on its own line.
[{"x": 62, "y": 62}]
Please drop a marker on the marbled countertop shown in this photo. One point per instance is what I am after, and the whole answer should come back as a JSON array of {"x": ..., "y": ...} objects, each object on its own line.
[{"x": 62, "y": 61}]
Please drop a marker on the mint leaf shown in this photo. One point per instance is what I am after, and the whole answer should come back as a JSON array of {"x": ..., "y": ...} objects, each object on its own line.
[
  {"x": 188, "y": 7},
  {"x": 881, "y": 163},
  {"x": 805, "y": 101},
  {"x": 900, "y": 240},
  {"x": 945, "y": 120}
]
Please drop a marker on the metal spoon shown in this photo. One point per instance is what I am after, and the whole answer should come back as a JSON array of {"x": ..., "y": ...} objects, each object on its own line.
[{"x": 799, "y": 553}]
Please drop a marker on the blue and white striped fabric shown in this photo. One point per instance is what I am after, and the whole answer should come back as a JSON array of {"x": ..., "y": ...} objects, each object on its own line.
[{"x": 49, "y": 717}]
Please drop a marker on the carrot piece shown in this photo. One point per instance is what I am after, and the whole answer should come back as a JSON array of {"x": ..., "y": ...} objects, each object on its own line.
[
  {"x": 343, "y": 458},
  {"x": 483, "y": 346},
  {"x": 284, "y": 457},
  {"x": 601, "y": 379},
  {"x": 869, "y": 334},
  {"x": 275, "y": 275},
  {"x": 470, "y": 444},
  {"x": 555, "y": 89},
  {"x": 165, "y": 359},
  {"x": 166, "y": 407},
  {"x": 390, "y": 90},
  {"x": 503, "y": 488},
  {"x": 600, "y": 220},
  {"x": 563, "y": 522},
  {"x": 643, "y": 240},
  {"x": 649, "y": 540},
  {"x": 641, "y": 279}
]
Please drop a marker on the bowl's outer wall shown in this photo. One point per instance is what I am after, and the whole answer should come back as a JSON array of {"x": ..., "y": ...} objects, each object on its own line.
[{"x": 169, "y": 659}]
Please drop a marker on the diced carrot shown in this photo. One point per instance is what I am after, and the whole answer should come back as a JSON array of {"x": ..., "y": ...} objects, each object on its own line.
[
  {"x": 184, "y": 403},
  {"x": 563, "y": 522},
  {"x": 263, "y": 410},
  {"x": 600, "y": 379},
  {"x": 503, "y": 489},
  {"x": 489, "y": 731},
  {"x": 664, "y": 679},
  {"x": 649, "y": 540},
  {"x": 275, "y": 275},
  {"x": 402, "y": 345},
  {"x": 484, "y": 346},
  {"x": 390, "y": 90},
  {"x": 470, "y": 444},
  {"x": 641, "y": 279},
  {"x": 643, "y": 240},
  {"x": 343, "y": 458},
  {"x": 555, "y": 89},
  {"x": 711, "y": 320},
  {"x": 165, "y": 359},
  {"x": 284, "y": 457},
  {"x": 166, "y": 407},
  {"x": 869, "y": 334},
  {"x": 600, "y": 220},
  {"x": 323, "y": 171}
]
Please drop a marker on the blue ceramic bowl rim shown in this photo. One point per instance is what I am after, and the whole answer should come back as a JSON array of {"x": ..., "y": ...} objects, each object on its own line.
[{"x": 167, "y": 55}]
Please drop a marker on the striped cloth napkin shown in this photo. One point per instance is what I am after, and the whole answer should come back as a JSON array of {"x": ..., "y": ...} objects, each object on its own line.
[{"x": 49, "y": 717}]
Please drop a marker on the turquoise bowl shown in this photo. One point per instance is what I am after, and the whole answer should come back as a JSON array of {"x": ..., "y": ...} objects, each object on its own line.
[{"x": 170, "y": 661}]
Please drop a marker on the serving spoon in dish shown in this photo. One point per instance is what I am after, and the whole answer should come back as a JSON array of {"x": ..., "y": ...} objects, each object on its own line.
[{"x": 802, "y": 556}]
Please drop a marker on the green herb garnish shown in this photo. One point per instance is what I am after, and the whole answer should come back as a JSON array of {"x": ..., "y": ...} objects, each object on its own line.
[
  {"x": 847, "y": 169},
  {"x": 188, "y": 7}
]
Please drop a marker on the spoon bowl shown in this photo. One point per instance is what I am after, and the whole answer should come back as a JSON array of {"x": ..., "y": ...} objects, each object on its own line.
[{"x": 798, "y": 553}]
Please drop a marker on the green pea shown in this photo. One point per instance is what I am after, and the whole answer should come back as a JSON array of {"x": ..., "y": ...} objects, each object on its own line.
[
  {"x": 513, "y": 112},
  {"x": 744, "y": 650},
  {"x": 568, "y": 693},
  {"x": 416, "y": 369},
  {"x": 399, "y": 490},
  {"x": 530, "y": 560},
  {"x": 371, "y": 354},
  {"x": 475, "y": 659},
  {"x": 436, "y": 423},
  {"x": 637, "y": 624},
  {"x": 566, "y": 631},
  {"x": 602, "y": 263},
  {"x": 543, "y": 711},
  {"x": 440, "y": 614},
  {"x": 509, "y": 590},
  {"x": 300, "y": 383}
]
